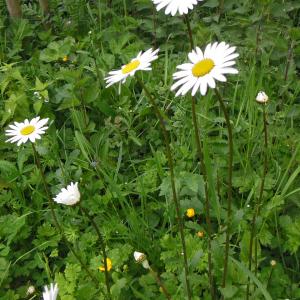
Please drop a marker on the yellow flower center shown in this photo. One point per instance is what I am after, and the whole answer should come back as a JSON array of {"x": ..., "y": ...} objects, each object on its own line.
[
  {"x": 131, "y": 66},
  {"x": 27, "y": 130},
  {"x": 203, "y": 67}
]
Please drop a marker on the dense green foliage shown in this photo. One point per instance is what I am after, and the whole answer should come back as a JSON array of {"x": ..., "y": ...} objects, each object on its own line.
[{"x": 112, "y": 145}]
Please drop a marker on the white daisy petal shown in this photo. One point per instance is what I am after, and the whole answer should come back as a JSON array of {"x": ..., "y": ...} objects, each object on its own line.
[
  {"x": 205, "y": 69},
  {"x": 51, "y": 292},
  {"x": 175, "y": 6},
  {"x": 141, "y": 62},
  {"x": 69, "y": 195},
  {"x": 27, "y": 130}
]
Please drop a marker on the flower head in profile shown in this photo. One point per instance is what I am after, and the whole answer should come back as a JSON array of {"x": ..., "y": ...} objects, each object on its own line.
[
  {"x": 262, "y": 97},
  {"x": 141, "y": 258},
  {"x": 31, "y": 130},
  {"x": 51, "y": 292},
  {"x": 141, "y": 62},
  {"x": 190, "y": 213},
  {"x": 69, "y": 195},
  {"x": 109, "y": 265},
  {"x": 174, "y": 6},
  {"x": 205, "y": 68}
]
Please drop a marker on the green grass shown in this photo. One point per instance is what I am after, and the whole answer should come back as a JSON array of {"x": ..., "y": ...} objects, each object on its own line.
[{"x": 110, "y": 142}]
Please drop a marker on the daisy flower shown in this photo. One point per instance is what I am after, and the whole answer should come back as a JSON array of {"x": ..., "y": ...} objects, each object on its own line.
[
  {"x": 141, "y": 62},
  {"x": 174, "y": 6},
  {"x": 51, "y": 293},
  {"x": 69, "y": 195},
  {"x": 141, "y": 258},
  {"x": 204, "y": 68},
  {"x": 28, "y": 130}
]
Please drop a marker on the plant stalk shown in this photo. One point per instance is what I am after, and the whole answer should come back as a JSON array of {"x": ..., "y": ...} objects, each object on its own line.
[
  {"x": 160, "y": 283},
  {"x": 229, "y": 190},
  {"x": 258, "y": 203},
  {"x": 189, "y": 29},
  {"x": 102, "y": 243},
  {"x": 56, "y": 223},
  {"x": 172, "y": 175},
  {"x": 203, "y": 171}
]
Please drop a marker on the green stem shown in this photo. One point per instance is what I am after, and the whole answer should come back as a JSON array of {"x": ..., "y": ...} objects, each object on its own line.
[
  {"x": 102, "y": 243},
  {"x": 189, "y": 29},
  {"x": 258, "y": 203},
  {"x": 160, "y": 283},
  {"x": 229, "y": 191},
  {"x": 221, "y": 8},
  {"x": 203, "y": 171},
  {"x": 56, "y": 223},
  {"x": 171, "y": 167}
]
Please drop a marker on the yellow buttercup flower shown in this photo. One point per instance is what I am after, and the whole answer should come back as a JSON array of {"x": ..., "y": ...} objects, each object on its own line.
[
  {"x": 200, "y": 234},
  {"x": 190, "y": 213},
  {"x": 65, "y": 58},
  {"x": 109, "y": 265}
]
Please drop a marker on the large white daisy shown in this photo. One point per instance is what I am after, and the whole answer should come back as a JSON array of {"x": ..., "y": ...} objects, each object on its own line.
[
  {"x": 28, "y": 130},
  {"x": 205, "y": 68},
  {"x": 141, "y": 62},
  {"x": 69, "y": 195},
  {"x": 174, "y": 6},
  {"x": 50, "y": 293}
]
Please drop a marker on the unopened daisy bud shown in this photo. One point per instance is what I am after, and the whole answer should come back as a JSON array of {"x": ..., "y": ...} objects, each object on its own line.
[
  {"x": 273, "y": 263},
  {"x": 190, "y": 213},
  {"x": 30, "y": 290},
  {"x": 141, "y": 258},
  {"x": 262, "y": 97}
]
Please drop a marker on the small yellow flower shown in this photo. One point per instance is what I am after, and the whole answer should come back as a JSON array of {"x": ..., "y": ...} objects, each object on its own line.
[
  {"x": 65, "y": 58},
  {"x": 200, "y": 234},
  {"x": 190, "y": 213},
  {"x": 109, "y": 265}
]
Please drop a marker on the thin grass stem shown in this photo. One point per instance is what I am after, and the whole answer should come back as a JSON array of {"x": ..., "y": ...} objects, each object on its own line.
[
  {"x": 172, "y": 175},
  {"x": 160, "y": 283}
]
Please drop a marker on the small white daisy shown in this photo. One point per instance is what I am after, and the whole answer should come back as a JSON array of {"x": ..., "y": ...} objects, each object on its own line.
[
  {"x": 141, "y": 62},
  {"x": 205, "y": 68},
  {"x": 69, "y": 195},
  {"x": 51, "y": 293},
  {"x": 174, "y": 6},
  {"x": 262, "y": 97},
  {"x": 27, "y": 130}
]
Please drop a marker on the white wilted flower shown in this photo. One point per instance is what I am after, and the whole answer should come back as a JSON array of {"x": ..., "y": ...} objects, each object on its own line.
[
  {"x": 141, "y": 258},
  {"x": 50, "y": 293},
  {"x": 174, "y": 6},
  {"x": 141, "y": 62},
  {"x": 69, "y": 195},
  {"x": 30, "y": 290},
  {"x": 262, "y": 97},
  {"x": 31, "y": 130},
  {"x": 205, "y": 68}
]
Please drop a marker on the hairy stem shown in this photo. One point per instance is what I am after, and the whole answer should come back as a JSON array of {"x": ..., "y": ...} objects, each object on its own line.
[
  {"x": 56, "y": 223},
  {"x": 172, "y": 175},
  {"x": 203, "y": 171},
  {"x": 258, "y": 203},
  {"x": 229, "y": 190},
  {"x": 102, "y": 243}
]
